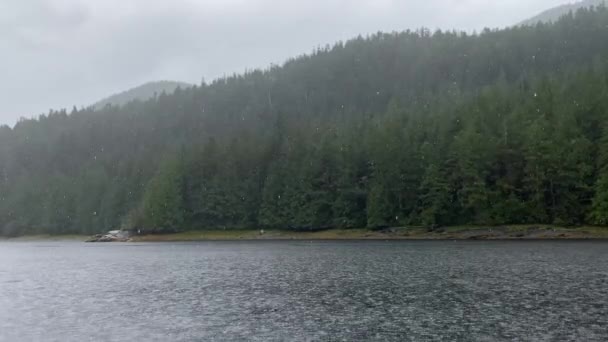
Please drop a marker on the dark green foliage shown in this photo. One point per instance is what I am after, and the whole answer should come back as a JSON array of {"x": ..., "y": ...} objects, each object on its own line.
[
  {"x": 163, "y": 206},
  {"x": 407, "y": 128},
  {"x": 599, "y": 212},
  {"x": 435, "y": 198}
]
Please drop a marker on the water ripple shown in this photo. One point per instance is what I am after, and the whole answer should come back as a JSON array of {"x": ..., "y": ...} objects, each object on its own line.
[{"x": 321, "y": 291}]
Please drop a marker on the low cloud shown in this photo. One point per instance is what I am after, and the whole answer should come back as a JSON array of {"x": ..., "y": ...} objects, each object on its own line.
[{"x": 59, "y": 53}]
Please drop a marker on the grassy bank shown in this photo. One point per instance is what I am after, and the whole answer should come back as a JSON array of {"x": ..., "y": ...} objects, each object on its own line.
[
  {"x": 529, "y": 232},
  {"x": 448, "y": 233},
  {"x": 46, "y": 237}
]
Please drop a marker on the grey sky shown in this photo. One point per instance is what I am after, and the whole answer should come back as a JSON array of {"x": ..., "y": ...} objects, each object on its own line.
[{"x": 60, "y": 53}]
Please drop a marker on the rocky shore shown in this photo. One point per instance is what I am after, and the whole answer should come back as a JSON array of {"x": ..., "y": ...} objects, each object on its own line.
[
  {"x": 521, "y": 232},
  {"x": 112, "y": 236}
]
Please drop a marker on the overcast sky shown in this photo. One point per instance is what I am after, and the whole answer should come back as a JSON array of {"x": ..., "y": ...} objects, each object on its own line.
[{"x": 60, "y": 53}]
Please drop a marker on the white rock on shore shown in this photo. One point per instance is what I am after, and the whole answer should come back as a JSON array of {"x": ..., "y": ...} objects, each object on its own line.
[{"x": 111, "y": 236}]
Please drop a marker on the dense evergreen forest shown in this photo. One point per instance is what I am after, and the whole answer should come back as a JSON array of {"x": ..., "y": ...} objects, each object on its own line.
[{"x": 413, "y": 128}]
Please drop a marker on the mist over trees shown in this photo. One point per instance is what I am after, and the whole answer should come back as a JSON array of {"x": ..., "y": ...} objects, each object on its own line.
[
  {"x": 411, "y": 128},
  {"x": 555, "y": 13},
  {"x": 143, "y": 92}
]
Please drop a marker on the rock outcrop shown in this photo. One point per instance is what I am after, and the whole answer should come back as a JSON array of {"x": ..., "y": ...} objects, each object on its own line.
[{"x": 112, "y": 236}]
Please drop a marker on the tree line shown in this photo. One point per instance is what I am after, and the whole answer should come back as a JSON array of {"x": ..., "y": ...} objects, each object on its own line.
[{"x": 394, "y": 129}]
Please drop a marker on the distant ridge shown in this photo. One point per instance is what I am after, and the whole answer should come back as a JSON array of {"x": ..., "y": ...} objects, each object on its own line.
[
  {"x": 143, "y": 92},
  {"x": 553, "y": 14}
]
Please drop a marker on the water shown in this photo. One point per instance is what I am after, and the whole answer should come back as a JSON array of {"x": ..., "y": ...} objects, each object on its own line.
[{"x": 303, "y": 291}]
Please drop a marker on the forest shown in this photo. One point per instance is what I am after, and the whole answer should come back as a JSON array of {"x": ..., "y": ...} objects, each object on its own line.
[{"x": 413, "y": 128}]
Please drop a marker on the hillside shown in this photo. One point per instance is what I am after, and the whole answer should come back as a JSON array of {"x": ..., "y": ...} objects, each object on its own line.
[
  {"x": 409, "y": 128},
  {"x": 143, "y": 92},
  {"x": 553, "y": 14}
]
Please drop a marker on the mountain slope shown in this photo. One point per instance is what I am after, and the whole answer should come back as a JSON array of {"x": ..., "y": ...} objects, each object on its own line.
[
  {"x": 410, "y": 128},
  {"x": 553, "y": 14},
  {"x": 143, "y": 92}
]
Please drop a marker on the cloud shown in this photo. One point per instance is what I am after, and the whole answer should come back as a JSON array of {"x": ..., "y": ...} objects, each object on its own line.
[{"x": 59, "y": 53}]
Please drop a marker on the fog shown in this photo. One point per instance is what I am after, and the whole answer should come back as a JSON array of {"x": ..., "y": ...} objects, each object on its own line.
[{"x": 60, "y": 53}]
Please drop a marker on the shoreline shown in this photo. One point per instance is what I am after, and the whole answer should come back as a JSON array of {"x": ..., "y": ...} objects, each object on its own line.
[
  {"x": 514, "y": 233},
  {"x": 44, "y": 237},
  {"x": 510, "y": 233}
]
